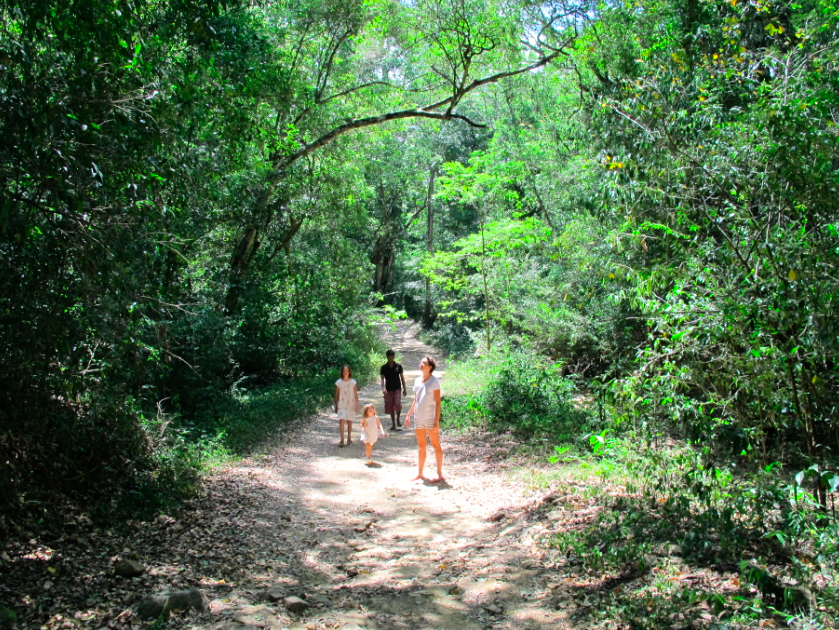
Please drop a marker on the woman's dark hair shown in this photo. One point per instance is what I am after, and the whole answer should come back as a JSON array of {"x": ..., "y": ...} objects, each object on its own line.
[
  {"x": 430, "y": 362},
  {"x": 341, "y": 373}
]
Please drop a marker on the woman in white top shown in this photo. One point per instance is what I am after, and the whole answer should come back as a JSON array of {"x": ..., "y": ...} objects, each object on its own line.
[
  {"x": 426, "y": 408},
  {"x": 346, "y": 402}
]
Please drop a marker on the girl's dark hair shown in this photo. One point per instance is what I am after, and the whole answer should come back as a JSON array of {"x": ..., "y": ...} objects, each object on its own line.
[
  {"x": 430, "y": 362},
  {"x": 341, "y": 373}
]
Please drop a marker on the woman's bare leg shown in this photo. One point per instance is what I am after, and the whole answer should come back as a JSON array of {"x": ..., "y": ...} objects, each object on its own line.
[
  {"x": 421, "y": 443},
  {"x": 349, "y": 431},
  {"x": 341, "y": 424},
  {"x": 434, "y": 436}
]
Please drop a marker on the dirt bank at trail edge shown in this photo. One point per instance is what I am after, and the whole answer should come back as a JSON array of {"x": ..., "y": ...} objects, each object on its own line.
[{"x": 363, "y": 547}]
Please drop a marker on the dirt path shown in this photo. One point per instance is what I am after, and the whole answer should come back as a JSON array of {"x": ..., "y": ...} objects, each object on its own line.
[
  {"x": 361, "y": 547},
  {"x": 368, "y": 548}
]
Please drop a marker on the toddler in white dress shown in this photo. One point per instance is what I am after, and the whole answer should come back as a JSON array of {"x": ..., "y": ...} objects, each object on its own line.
[{"x": 371, "y": 428}]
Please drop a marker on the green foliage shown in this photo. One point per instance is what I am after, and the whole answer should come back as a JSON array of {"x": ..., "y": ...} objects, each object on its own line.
[
  {"x": 668, "y": 510},
  {"x": 465, "y": 381},
  {"x": 247, "y": 419},
  {"x": 699, "y": 170},
  {"x": 516, "y": 391},
  {"x": 8, "y": 617},
  {"x": 531, "y": 398},
  {"x": 175, "y": 463}
]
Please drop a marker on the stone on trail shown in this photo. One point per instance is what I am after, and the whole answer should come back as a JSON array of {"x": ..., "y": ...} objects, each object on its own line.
[
  {"x": 498, "y": 516},
  {"x": 274, "y": 595},
  {"x": 363, "y": 527},
  {"x": 552, "y": 497},
  {"x": 295, "y": 604},
  {"x": 153, "y": 606},
  {"x": 128, "y": 568}
]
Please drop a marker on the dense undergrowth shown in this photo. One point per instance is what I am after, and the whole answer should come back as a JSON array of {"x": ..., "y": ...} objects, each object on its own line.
[
  {"x": 515, "y": 391},
  {"x": 174, "y": 450},
  {"x": 680, "y": 536}
]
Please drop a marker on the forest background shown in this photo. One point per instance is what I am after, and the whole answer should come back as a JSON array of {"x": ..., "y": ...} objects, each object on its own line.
[{"x": 621, "y": 215}]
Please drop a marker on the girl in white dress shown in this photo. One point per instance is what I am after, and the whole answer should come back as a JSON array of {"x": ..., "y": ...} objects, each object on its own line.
[
  {"x": 346, "y": 402},
  {"x": 371, "y": 428}
]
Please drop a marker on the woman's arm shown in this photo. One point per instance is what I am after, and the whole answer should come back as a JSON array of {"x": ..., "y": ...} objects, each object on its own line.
[
  {"x": 410, "y": 413},
  {"x": 337, "y": 394},
  {"x": 357, "y": 403},
  {"x": 438, "y": 407}
]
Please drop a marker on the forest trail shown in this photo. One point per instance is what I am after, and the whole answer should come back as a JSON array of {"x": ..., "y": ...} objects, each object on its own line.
[
  {"x": 361, "y": 547},
  {"x": 367, "y": 547}
]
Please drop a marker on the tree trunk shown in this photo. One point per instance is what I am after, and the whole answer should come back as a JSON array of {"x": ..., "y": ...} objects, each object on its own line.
[
  {"x": 428, "y": 316},
  {"x": 239, "y": 263}
]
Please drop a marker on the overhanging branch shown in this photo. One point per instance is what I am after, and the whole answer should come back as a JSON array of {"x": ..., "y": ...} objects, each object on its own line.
[{"x": 285, "y": 162}]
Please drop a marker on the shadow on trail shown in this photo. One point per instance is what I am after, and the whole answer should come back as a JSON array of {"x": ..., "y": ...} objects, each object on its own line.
[
  {"x": 361, "y": 545},
  {"x": 407, "y": 562}
]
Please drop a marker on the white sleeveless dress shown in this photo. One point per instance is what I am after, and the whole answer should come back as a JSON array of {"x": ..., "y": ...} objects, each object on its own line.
[
  {"x": 370, "y": 433},
  {"x": 346, "y": 399}
]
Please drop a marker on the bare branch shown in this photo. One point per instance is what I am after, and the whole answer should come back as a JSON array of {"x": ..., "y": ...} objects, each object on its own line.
[
  {"x": 421, "y": 112},
  {"x": 354, "y": 89},
  {"x": 323, "y": 79}
]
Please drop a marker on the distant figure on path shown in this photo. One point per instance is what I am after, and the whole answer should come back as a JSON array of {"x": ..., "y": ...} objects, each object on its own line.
[
  {"x": 426, "y": 408},
  {"x": 346, "y": 402},
  {"x": 392, "y": 377},
  {"x": 371, "y": 428}
]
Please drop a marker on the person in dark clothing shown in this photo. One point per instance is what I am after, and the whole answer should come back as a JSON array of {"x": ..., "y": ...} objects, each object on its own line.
[{"x": 393, "y": 387}]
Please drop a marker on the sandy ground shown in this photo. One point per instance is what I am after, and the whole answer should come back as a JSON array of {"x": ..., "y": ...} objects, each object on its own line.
[{"x": 367, "y": 547}]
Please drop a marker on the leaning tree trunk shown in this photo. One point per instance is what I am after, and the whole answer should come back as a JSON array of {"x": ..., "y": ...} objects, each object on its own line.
[
  {"x": 428, "y": 312},
  {"x": 381, "y": 257},
  {"x": 243, "y": 254}
]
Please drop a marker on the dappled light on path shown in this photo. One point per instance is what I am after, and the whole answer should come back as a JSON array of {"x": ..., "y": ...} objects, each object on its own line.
[
  {"x": 366, "y": 547},
  {"x": 306, "y": 535}
]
